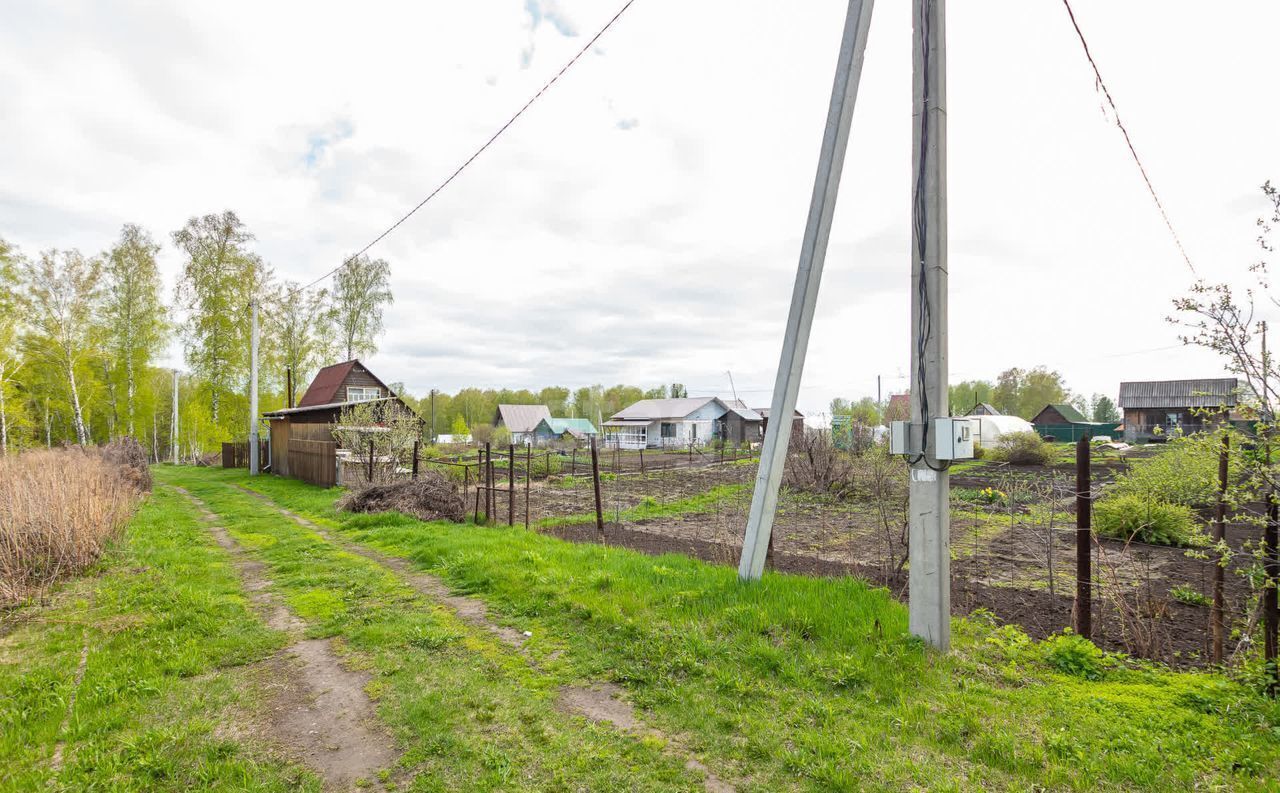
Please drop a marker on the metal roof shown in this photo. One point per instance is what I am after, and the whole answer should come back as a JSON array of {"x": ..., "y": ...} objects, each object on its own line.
[
  {"x": 764, "y": 413},
  {"x": 328, "y": 406},
  {"x": 652, "y": 409},
  {"x": 522, "y": 418},
  {"x": 1068, "y": 412},
  {"x": 740, "y": 407},
  {"x": 578, "y": 428},
  {"x": 627, "y": 423},
  {"x": 1215, "y": 392},
  {"x": 324, "y": 387}
]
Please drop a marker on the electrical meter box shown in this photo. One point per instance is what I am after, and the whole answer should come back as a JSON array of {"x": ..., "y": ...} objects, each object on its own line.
[
  {"x": 898, "y": 434},
  {"x": 953, "y": 439}
]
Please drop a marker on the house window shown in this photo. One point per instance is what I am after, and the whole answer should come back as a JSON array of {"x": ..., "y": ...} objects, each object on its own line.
[
  {"x": 1171, "y": 419},
  {"x": 668, "y": 429},
  {"x": 363, "y": 393}
]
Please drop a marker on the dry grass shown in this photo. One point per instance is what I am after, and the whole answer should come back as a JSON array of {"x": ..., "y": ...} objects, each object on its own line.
[{"x": 58, "y": 511}]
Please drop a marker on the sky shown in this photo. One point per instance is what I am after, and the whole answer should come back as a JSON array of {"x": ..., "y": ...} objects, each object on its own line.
[{"x": 641, "y": 223}]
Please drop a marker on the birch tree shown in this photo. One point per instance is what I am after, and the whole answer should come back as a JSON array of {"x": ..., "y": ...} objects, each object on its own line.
[
  {"x": 362, "y": 288},
  {"x": 133, "y": 312},
  {"x": 302, "y": 335},
  {"x": 61, "y": 295},
  {"x": 219, "y": 278},
  {"x": 10, "y": 353}
]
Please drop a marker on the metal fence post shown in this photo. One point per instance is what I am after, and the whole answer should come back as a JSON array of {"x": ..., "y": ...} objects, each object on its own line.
[
  {"x": 369, "y": 474},
  {"x": 595, "y": 479},
  {"x": 1082, "y": 614},
  {"x": 528, "y": 474},
  {"x": 415, "y": 462},
  {"x": 511, "y": 484},
  {"x": 1216, "y": 622}
]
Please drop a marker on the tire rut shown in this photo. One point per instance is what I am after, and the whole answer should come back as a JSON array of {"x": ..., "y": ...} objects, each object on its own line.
[
  {"x": 603, "y": 703},
  {"x": 319, "y": 711}
]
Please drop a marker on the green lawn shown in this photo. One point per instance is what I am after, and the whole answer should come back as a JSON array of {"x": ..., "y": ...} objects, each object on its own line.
[{"x": 793, "y": 683}]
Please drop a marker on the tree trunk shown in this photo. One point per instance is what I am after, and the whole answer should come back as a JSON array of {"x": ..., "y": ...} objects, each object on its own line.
[
  {"x": 48, "y": 426},
  {"x": 114, "y": 422},
  {"x": 76, "y": 415},
  {"x": 130, "y": 389},
  {"x": 4, "y": 421}
]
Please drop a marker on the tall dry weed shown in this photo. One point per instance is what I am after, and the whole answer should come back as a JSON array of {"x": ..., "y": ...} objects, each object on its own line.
[{"x": 59, "y": 509}]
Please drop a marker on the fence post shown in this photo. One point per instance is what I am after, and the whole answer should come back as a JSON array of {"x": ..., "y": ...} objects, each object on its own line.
[
  {"x": 369, "y": 474},
  {"x": 642, "y": 462},
  {"x": 548, "y": 467},
  {"x": 488, "y": 483},
  {"x": 415, "y": 464},
  {"x": 528, "y": 474},
  {"x": 691, "y": 453},
  {"x": 1216, "y": 623},
  {"x": 1271, "y": 608},
  {"x": 511, "y": 484},
  {"x": 595, "y": 479},
  {"x": 1082, "y": 614},
  {"x": 573, "y": 461},
  {"x": 466, "y": 474}
]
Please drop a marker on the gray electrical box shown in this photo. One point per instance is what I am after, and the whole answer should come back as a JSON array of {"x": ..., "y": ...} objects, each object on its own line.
[
  {"x": 899, "y": 432},
  {"x": 953, "y": 439}
]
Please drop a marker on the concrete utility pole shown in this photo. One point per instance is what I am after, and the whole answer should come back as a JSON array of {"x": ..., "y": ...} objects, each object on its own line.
[
  {"x": 253, "y": 390},
  {"x": 173, "y": 427},
  {"x": 804, "y": 296},
  {"x": 930, "y": 519}
]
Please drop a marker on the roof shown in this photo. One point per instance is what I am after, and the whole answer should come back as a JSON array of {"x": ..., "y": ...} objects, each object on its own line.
[
  {"x": 578, "y": 428},
  {"x": 984, "y": 409},
  {"x": 740, "y": 407},
  {"x": 1068, "y": 412},
  {"x": 328, "y": 406},
  {"x": 324, "y": 386},
  {"x": 522, "y": 418},
  {"x": 627, "y": 423},
  {"x": 764, "y": 413},
  {"x": 1214, "y": 392},
  {"x": 651, "y": 409}
]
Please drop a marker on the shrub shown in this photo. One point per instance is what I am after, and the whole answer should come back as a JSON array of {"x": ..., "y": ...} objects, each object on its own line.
[
  {"x": 1074, "y": 655},
  {"x": 1022, "y": 448},
  {"x": 59, "y": 509},
  {"x": 1127, "y": 517},
  {"x": 1185, "y": 471},
  {"x": 1190, "y": 596}
]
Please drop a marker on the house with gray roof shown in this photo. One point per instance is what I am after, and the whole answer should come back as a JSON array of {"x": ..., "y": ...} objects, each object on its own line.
[
  {"x": 1156, "y": 409},
  {"x": 520, "y": 420},
  {"x": 660, "y": 423}
]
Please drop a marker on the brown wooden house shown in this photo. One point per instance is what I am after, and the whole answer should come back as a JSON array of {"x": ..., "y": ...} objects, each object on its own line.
[
  {"x": 334, "y": 389},
  {"x": 1157, "y": 409}
]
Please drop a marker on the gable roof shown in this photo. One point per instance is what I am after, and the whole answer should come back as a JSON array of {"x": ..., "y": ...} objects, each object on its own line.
[
  {"x": 522, "y": 418},
  {"x": 1068, "y": 412},
  {"x": 652, "y": 409},
  {"x": 764, "y": 413},
  {"x": 578, "y": 428},
  {"x": 324, "y": 386},
  {"x": 740, "y": 407},
  {"x": 1210, "y": 393},
  {"x": 984, "y": 409}
]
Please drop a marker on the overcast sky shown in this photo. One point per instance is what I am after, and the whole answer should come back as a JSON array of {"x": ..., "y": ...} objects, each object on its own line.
[{"x": 641, "y": 223}]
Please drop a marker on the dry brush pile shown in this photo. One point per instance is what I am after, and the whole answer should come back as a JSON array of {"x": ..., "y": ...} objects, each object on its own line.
[{"x": 60, "y": 508}]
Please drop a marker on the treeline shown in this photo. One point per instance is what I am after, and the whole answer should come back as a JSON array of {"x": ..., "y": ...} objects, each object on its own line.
[
  {"x": 80, "y": 335},
  {"x": 1015, "y": 392},
  {"x": 472, "y": 408}
]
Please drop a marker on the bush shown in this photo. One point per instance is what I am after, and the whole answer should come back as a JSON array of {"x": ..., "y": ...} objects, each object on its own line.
[
  {"x": 1074, "y": 655},
  {"x": 1185, "y": 471},
  {"x": 1129, "y": 517},
  {"x": 1022, "y": 448}
]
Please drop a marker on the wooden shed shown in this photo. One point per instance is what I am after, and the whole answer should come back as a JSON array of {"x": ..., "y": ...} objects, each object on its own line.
[{"x": 297, "y": 431}]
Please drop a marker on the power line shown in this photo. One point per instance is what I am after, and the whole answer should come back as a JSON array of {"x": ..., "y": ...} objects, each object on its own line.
[
  {"x": 477, "y": 152},
  {"x": 1116, "y": 111}
]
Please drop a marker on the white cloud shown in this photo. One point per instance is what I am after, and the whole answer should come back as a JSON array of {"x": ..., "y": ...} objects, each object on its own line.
[{"x": 641, "y": 222}]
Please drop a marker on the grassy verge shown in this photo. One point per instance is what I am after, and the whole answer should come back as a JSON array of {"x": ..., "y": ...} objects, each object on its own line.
[
  {"x": 800, "y": 683},
  {"x": 650, "y": 508},
  {"x": 168, "y": 631},
  {"x": 469, "y": 713}
]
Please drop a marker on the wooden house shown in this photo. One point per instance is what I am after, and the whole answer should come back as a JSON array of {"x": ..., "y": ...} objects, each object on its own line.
[
  {"x": 1156, "y": 409},
  {"x": 567, "y": 430},
  {"x": 334, "y": 389},
  {"x": 659, "y": 423},
  {"x": 520, "y": 420}
]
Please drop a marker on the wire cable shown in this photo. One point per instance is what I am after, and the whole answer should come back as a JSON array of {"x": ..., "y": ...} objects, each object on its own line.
[
  {"x": 1128, "y": 141},
  {"x": 591, "y": 42}
]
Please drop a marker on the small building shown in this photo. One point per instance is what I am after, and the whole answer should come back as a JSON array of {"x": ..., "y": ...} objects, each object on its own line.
[
  {"x": 741, "y": 424},
  {"x": 334, "y": 389},
  {"x": 898, "y": 408},
  {"x": 988, "y": 429},
  {"x": 984, "y": 409},
  {"x": 520, "y": 420},
  {"x": 1063, "y": 422},
  {"x": 659, "y": 423},
  {"x": 569, "y": 430},
  {"x": 1156, "y": 409},
  {"x": 797, "y": 424}
]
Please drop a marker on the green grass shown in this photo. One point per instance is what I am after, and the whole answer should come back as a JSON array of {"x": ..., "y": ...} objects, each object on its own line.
[
  {"x": 650, "y": 508},
  {"x": 470, "y": 714},
  {"x": 168, "y": 631},
  {"x": 792, "y": 683}
]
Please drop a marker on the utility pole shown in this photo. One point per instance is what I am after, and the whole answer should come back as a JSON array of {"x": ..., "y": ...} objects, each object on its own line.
[
  {"x": 879, "y": 402},
  {"x": 288, "y": 386},
  {"x": 804, "y": 296},
  {"x": 253, "y": 390},
  {"x": 930, "y": 519},
  {"x": 173, "y": 425}
]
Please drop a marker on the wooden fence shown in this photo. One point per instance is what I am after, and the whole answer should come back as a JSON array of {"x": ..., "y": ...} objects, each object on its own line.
[
  {"x": 315, "y": 462},
  {"x": 236, "y": 455}
]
